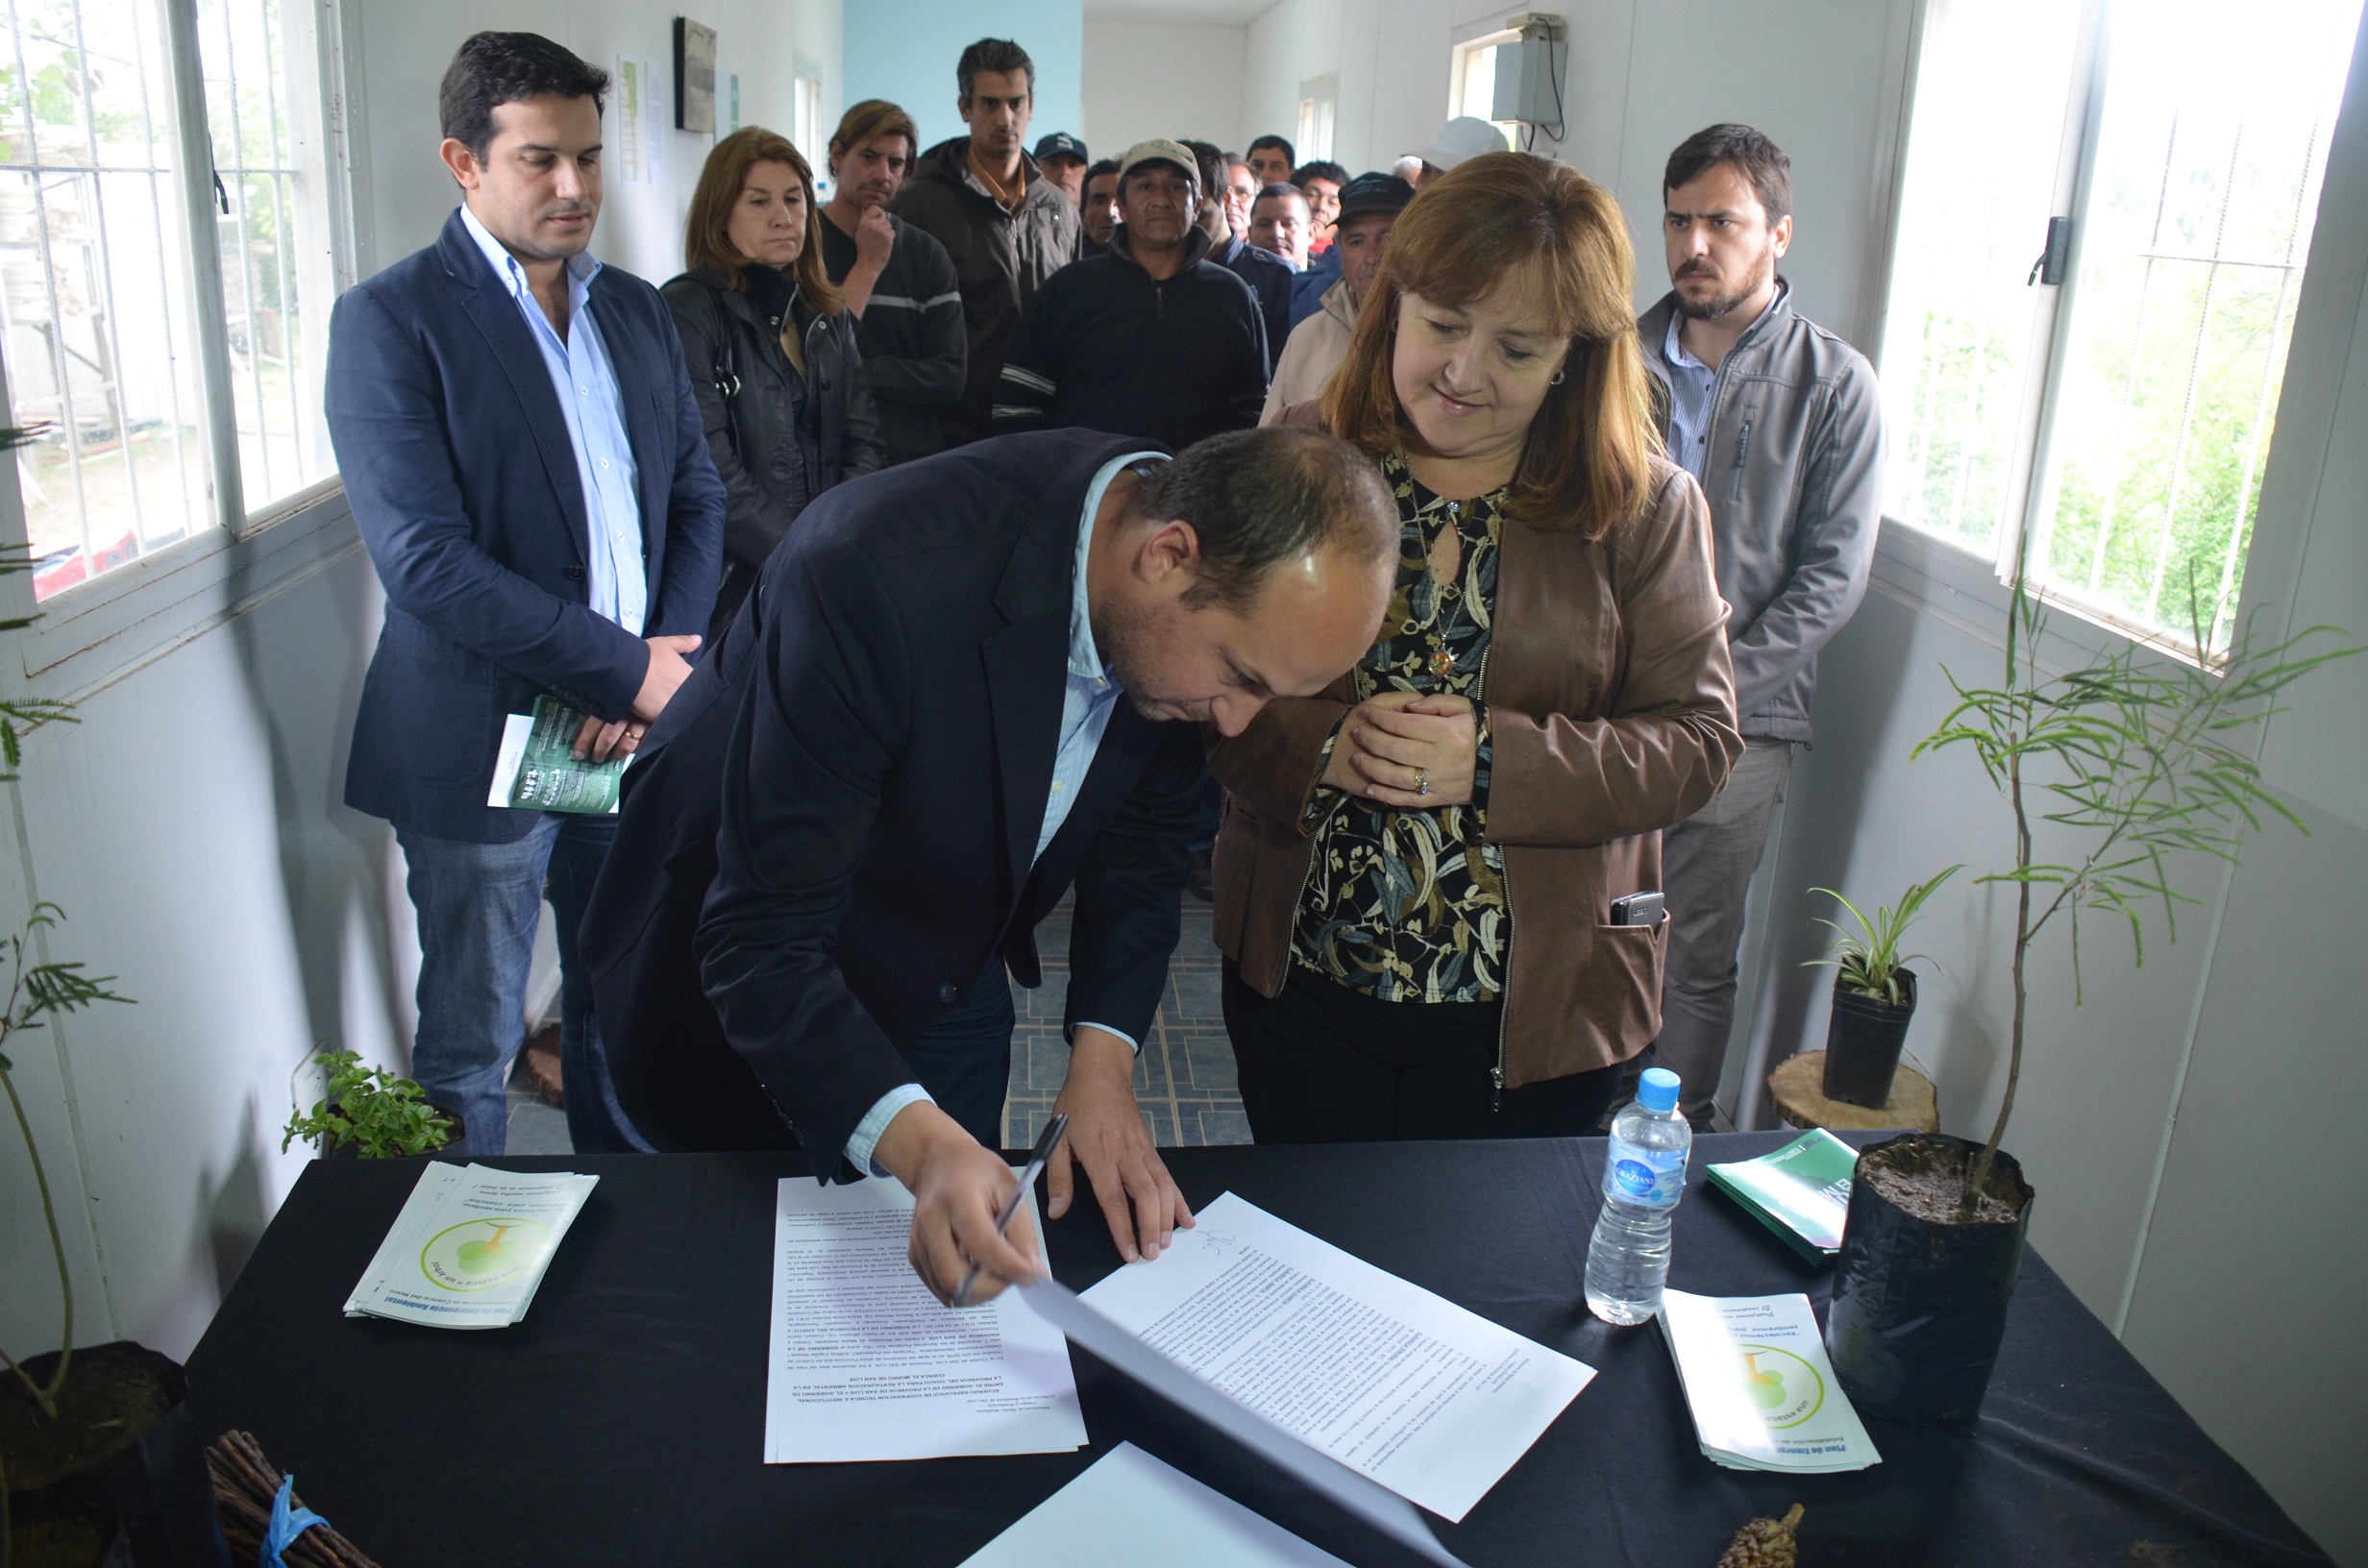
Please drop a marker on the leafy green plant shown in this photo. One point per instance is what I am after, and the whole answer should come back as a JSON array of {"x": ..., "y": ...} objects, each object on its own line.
[
  {"x": 38, "y": 990},
  {"x": 382, "y": 1115},
  {"x": 2141, "y": 759},
  {"x": 1868, "y": 959}
]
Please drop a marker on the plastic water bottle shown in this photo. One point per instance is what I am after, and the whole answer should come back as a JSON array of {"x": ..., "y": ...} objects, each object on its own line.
[{"x": 1644, "y": 1178}]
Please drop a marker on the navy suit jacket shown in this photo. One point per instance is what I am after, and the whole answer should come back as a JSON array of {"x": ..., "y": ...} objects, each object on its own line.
[
  {"x": 831, "y": 830},
  {"x": 458, "y": 464}
]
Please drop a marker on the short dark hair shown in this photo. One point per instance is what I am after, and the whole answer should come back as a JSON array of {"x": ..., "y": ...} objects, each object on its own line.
[
  {"x": 1278, "y": 188},
  {"x": 1259, "y": 498},
  {"x": 1323, "y": 169},
  {"x": 496, "y": 68},
  {"x": 1098, "y": 168},
  {"x": 1212, "y": 164},
  {"x": 994, "y": 54},
  {"x": 1290, "y": 156},
  {"x": 1758, "y": 159}
]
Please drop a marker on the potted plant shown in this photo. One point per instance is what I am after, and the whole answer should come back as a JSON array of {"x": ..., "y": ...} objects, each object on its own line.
[
  {"x": 1874, "y": 996},
  {"x": 371, "y": 1114},
  {"x": 95, "y": 1447},
  {"x": 101, "y": 1442},
  {"x": 2128, "y": 763}
]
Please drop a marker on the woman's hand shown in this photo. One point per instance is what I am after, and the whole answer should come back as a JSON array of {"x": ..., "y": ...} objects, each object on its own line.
[{"x": 1405, "y": 750}]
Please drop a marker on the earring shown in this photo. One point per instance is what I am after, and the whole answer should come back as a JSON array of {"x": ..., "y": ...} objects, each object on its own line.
[{"x": 1557, "y": 380}]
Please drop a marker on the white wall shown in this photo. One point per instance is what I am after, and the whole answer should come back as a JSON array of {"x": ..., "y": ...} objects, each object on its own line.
[
  {"x": 1146, "y": 79},
  {"x": 404, "y": 48},
  {"x": 1289, "y": 43}
]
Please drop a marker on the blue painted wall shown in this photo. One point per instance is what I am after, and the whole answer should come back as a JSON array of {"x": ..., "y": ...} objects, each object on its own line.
[{"x": 905, "y": 50}]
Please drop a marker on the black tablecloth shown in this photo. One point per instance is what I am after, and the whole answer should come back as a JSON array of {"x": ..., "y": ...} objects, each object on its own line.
[{"x": 622, "y": 1422}]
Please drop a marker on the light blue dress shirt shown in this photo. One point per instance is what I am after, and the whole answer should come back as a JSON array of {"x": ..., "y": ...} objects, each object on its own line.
[
  {"x": 1087, "y": 702},
  {"x": 1691, "y": 384},
  {"x": 594, "y": 409}
]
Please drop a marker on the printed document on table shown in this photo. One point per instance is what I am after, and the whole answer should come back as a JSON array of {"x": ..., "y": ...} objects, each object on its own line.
[
  {"x": 1132, "y": 1509},
  {"x": 864, "y": 1363},
  {"x": 1433, "y": 1402}
]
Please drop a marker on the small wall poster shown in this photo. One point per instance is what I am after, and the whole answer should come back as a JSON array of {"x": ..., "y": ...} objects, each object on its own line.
[{"x": 630, "y": 115}]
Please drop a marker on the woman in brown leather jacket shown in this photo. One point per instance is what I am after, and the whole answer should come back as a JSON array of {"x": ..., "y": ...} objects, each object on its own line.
[{"x": 1415, "y": 878}]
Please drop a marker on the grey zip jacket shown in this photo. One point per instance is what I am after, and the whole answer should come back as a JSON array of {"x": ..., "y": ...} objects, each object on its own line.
[{"x": 1793, "y": 471}]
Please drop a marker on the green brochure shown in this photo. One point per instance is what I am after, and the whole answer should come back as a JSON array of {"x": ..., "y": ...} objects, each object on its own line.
[
  {"x": 1802, "y": 1192},
  {"x": 1763, "y": 1394},
  {"x": 537, "y": 771}
]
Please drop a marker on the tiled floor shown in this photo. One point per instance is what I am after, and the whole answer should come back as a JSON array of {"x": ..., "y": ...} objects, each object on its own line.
[{"x": 1184, "y": 1078}]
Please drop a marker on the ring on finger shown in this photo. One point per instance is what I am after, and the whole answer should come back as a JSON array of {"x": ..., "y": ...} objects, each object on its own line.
[{"x": 1422, "y": 782}]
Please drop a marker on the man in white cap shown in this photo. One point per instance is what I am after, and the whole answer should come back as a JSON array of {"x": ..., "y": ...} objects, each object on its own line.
[{"x": 1466, "y": 135}]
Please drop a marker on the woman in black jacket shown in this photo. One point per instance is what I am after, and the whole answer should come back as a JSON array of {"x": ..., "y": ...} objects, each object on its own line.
[{"x": 772, "y": 352}]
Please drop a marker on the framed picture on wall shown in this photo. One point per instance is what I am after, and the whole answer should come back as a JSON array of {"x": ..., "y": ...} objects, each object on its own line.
[{"x": 694, "y": 76}]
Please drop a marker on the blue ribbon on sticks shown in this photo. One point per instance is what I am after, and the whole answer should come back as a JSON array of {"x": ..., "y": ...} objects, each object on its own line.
[{"x": 288, "y": 1522}]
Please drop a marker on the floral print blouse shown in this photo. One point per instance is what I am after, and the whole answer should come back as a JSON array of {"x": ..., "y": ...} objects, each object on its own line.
[{"x": 1408, "y": 905}]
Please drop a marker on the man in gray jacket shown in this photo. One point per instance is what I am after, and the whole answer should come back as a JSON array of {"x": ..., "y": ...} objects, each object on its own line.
[
  {"x": 1782, "y": 423},
  {"x": 1005, "y": 226}
]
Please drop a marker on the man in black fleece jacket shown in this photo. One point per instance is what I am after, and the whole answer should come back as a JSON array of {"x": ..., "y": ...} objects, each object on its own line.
[{"x": 1149, "y": 338}]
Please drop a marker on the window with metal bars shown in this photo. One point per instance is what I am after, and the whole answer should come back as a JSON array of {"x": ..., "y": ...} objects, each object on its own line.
[
  {"x": 162, "y": 301},
  {"x": 2100, "y": 421}
]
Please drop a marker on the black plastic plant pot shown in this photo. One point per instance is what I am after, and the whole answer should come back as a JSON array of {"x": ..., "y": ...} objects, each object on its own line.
[
  {"x": 1920, "y": 1300},
  {"x": 154, "y": 1488},
  {"x": 1862, "y": 1043}
]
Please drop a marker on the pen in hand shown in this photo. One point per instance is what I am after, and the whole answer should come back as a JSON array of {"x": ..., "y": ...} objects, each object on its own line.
[{"x": 1046, "y": 1143}]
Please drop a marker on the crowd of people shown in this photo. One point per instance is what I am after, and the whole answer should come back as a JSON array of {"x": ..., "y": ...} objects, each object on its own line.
[{"x": 1013, "y": 523}]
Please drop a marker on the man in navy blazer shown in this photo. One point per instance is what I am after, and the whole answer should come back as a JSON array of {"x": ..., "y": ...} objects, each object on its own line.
[
  {"x": 961, "y": 688},
  {"x": 528, "y": 465}
]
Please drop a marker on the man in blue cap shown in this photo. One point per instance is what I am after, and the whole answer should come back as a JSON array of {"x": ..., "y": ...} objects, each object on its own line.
[{"x": 1063, "y": 158}]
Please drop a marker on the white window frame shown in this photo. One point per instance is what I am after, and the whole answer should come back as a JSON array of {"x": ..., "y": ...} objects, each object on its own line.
[
  {"x": 94, "y": 632},
  {"x": 1937, "y": 572},
  {"x": 1318, "y": 127},
  {"x": 1480, "y": 35}
]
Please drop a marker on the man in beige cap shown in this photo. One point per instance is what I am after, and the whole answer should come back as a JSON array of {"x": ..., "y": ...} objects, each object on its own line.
[{"x": 1149, "y": 338}]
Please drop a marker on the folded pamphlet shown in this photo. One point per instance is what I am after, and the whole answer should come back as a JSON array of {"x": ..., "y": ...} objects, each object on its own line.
[
  {"x": 1762, "y": 1393},
  {"x": 537, "y": 769},
  {"x": 469, "y": 1249},
  {"x": 1801, "y": 1192}
]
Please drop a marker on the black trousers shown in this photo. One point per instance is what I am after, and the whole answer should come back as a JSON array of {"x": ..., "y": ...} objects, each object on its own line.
[{"x": 1322, "y": 1064}]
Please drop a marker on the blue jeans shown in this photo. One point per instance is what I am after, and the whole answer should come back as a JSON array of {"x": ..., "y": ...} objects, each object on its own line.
[
  {"x": 478, "y": 906},
  {"x": 964, "y": 1059}
]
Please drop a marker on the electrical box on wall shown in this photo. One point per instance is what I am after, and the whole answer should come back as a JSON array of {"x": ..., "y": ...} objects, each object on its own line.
[{"x": 1529, "y": 72}]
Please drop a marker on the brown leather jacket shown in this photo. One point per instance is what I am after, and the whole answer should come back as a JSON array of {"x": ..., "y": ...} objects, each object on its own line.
[{"x": 1612, "y": 707}]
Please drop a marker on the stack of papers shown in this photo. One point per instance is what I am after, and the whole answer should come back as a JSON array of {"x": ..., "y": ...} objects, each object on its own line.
[
  {"x": 1131, "y": 1509},
  {"x": 469, "y": 1249},
  {"x": 1401, "y": 1386},
  {"x": 1762, "y": 1393},
  {"x": 864, "y": 1363},
  {"x": 1802, "y": 1192}
]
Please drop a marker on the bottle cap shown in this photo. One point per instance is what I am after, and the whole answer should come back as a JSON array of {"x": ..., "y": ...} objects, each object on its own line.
[{"x": 1657, "y": 1090}]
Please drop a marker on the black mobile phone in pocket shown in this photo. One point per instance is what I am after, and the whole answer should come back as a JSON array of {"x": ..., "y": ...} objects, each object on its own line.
[{"x": 1637, "y": 909}]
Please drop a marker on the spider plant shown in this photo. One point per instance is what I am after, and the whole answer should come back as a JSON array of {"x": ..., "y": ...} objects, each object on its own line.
[{"x": 1868, "y": 959}]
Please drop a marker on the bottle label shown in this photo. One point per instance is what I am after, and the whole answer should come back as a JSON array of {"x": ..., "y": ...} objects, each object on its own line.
[{"x": 1649, "y": 1178}]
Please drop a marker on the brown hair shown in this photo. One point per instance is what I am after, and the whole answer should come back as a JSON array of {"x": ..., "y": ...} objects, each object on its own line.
[
  {"x": 1761, "y": 161},
  {"x": 1587, "y": 462},
  {"x": 870, "y": 120},
  {"x": 706, "y": 243}
]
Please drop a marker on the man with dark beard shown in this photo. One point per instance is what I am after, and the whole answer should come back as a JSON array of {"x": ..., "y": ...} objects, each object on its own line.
[
  {"x": 1781, "y": 421},
  {"x": 939, "y": 711}
]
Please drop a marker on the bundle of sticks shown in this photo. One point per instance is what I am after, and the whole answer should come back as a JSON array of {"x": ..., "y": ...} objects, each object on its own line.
[{"x": 245, "y": 1485}]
